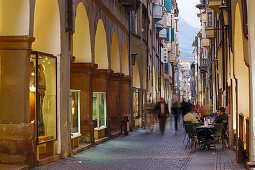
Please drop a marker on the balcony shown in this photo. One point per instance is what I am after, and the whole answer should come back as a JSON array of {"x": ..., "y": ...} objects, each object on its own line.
[
  {"x": 206, "y": 43},
  {"x": 157, "y": 12},
  {"x": 159, "y": 25},
  {"x": 162, "y": 33},
  {"x": 214, "y": 4},
  {"x": 209, "y": 32},
  {"x": 203, "y": 64}
]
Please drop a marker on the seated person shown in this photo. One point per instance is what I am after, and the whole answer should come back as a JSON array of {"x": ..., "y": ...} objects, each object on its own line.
[
  {"x": 200, "y": 118},
  {"x": 190, "y": 117},
  {"x": 221, "y": 117}
]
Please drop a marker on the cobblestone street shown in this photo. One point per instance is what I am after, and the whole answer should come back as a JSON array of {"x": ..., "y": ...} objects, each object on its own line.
[{"x": 141, "y": 150}]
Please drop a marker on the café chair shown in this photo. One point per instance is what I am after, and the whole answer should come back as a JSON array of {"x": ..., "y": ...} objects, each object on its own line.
[
  {"x": 217, "y": 133},
  {"x": 192, "y": 136},
  {"x": 185, "y": 122}
]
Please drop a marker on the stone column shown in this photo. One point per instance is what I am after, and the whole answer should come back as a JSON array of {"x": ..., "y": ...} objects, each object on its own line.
[
  {"x": 125, "y": 95},
  {"x": 82, "y": 79},
  {"x": 17, "y": 130},
  {"x": 114, "y": 103}
]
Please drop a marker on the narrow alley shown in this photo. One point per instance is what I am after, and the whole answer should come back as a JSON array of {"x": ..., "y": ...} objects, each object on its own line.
[
  {"x": 83, "y": 82},
  {"x": 143, "y": 150}
]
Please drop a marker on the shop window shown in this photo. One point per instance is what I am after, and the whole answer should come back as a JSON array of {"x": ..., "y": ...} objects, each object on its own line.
[
  {"x": 75, "y": 112},
  {"x": 136, "y": 103},
  {"x": 99, "y": 110},
  {"x": 43, "y": 95}
]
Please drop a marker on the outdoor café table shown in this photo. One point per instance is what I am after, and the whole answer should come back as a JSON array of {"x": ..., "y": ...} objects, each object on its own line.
[{"x": 205, "y": 133}]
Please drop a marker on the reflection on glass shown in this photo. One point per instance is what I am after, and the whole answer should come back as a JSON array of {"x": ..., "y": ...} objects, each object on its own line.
[
  {"x": 99, "y": 110},
  {"x": 43, "y": 82},
  {"x": 75, "y": 112}
]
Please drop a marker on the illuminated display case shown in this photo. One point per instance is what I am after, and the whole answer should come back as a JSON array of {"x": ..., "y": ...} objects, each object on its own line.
[
  {"x": 99, "y": 110},
  {"x": 136, "y": 103},
  {"x": 75, "y": 112},
  {"x": 43, "y": 95}
]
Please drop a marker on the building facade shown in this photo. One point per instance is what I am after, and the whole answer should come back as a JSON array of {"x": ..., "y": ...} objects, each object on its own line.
[
  {"x": 68, "y": 76},
  {"x": 227, "y": 35}
]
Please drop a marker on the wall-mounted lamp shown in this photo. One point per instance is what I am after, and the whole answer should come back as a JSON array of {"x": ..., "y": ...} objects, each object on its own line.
[
  {"x": 224, "y": 9},
  {"x": 133, "y": 56}
]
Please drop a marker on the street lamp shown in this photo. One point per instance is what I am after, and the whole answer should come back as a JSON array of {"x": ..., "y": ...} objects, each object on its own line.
[
  {"x": 133, "y": 55},
  {"x": 224, "y": 9}
]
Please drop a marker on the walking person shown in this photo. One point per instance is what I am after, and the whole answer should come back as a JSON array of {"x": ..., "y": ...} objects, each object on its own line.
[
  {"x": 176, "y": 112},
  {"x": 149, "y": 117},
  {"x": 184, "y": 109},
  {"x": 162, "y": 110}
]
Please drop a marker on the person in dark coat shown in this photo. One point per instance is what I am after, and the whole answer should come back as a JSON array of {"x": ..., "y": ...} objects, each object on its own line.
[
  {"x": 162, "y": 110},
  {"x": 176, "y": 112},
  {"x": 222, "y": 118},
  {"x": 184, "y": 107}
]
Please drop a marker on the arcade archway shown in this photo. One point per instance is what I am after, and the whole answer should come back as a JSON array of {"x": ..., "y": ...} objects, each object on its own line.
[
  {"x": 115, "y": 56},
  {"x": 81, "y": 37},
  {"x": 125, "y": 63},
  {"x": 101, "y": 57}
]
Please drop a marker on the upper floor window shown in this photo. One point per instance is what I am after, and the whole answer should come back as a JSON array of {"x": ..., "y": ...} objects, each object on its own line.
[{"x": 210, "y": 19}]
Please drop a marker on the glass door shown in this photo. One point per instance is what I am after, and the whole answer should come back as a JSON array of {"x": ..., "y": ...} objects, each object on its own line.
[{"x": 43, "y": 86}]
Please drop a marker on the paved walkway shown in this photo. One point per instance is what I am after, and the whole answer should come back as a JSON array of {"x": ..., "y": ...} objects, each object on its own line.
[{"x": 141, "y": 150}]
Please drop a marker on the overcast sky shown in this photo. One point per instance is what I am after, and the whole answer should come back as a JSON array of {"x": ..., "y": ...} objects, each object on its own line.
[{"x": 188, "y": 11}]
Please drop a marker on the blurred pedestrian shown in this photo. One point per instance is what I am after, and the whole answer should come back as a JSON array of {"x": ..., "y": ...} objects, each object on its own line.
[
  {"x": 176, "y": 112},
  {"x": 149, "y": 117},
  {"x": 183, "y": 107},
  {"x": 162, "y": 110}
]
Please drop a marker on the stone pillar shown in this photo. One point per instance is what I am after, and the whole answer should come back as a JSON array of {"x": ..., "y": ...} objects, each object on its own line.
[
  {"x": 125, "y": 95},
  {"x": 114, "y": 103},
  {"x": 17, "y": 130},
  {"x": 82, "y": 79},
  {"x": 101, "y": 84}
]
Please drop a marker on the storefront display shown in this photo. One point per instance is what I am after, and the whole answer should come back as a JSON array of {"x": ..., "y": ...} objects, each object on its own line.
[
  {"x": 75, "y": 112},
  {"x": 136, "y": 103},
  {"x": 43, "y": 85},
  {"x": 99, "y": 110}
]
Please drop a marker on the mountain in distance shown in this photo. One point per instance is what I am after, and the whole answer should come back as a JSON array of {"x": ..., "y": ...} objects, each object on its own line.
[{"x": 186, "y": 36}]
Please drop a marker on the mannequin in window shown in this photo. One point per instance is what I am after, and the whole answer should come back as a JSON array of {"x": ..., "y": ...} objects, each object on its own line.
[{"x": 41, "y": 93}]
